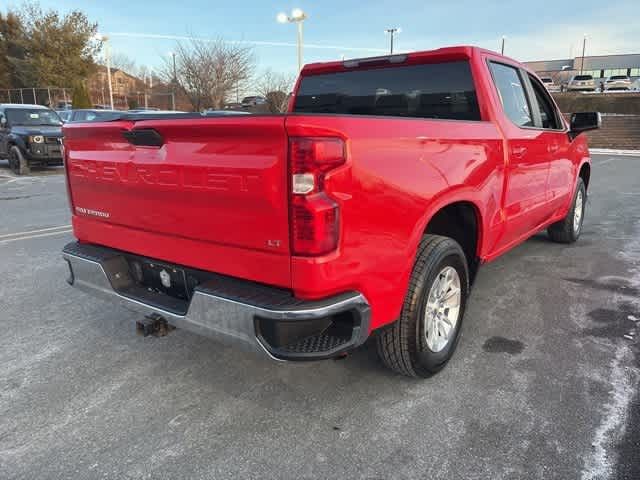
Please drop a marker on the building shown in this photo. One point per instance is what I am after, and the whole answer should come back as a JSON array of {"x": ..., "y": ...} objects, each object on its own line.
[
  {"x": 600, "y": 66},
  {"x": 122, "y": 83}
]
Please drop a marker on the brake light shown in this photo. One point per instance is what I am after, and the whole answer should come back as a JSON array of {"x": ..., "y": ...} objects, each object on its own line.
[{"x": 315, "y": 216}]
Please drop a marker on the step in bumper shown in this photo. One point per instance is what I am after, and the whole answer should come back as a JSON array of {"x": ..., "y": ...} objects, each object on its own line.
[{"x": 252, "y": 316}]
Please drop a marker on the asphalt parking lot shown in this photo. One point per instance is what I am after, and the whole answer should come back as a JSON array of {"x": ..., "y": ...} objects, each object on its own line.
[{"x": 544, "y": 383}]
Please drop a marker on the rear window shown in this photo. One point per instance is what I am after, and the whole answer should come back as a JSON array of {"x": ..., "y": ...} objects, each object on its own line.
[
  {"x": 546, "y": 80},
  {"x": 619, "y": 77},
  {"x": 441, "y": 90},
  {"x": 583, "y": 77}
]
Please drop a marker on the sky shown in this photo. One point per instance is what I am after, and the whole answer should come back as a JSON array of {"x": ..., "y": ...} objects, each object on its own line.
[{"x": 534, "y": 30}]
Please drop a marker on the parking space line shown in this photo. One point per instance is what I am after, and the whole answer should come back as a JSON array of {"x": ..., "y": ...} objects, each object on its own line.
[
  {"x": 27, "y": 237},
  {"x": 608, "y": 160},
  {"x": 29, "y": 232}
]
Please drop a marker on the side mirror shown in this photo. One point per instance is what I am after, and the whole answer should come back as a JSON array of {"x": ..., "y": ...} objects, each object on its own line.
[
  {"x": 584, "y": 121},
  {"x": 3, "y": 121}
]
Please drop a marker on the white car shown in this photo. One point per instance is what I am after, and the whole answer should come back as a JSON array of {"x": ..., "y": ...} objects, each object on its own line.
[
  {"x": 617, "y": 82},
  {"x": 584, "y": 83},
  {"x": 635, "y": 86},
  {"x": 550, "y": 84}
]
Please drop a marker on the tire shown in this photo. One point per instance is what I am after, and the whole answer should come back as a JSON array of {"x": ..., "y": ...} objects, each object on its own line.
[
  {"x": 406, "y": 346},
  {"x": 569, "y": 228},
  {"x": 17, "y": 162}
]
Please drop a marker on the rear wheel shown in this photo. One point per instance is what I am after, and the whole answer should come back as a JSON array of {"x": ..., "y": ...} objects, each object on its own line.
[
  {"x": 569, "y": 228},
  {"x": 425, "y": 336},
  {"x": 17, "y": 162}
]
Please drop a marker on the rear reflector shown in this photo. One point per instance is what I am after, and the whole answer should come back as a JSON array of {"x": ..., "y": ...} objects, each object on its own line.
[{"x": 315, "y": 225}]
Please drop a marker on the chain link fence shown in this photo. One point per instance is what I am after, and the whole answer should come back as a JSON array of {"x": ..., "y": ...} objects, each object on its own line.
[
  {"x": 54, "y": 97},
  {"x": 60, "y": 98}
]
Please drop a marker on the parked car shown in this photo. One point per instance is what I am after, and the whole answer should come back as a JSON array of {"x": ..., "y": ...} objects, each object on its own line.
[
  {"x": 583, "y": 83},
  {"x": 550, "y": 84},
  {"x": 215, "y": 113},
  {"x": 635, "y": 86},
  {"x": 253, "y": 101},
  {"x": 64, "y": 115},
  {"x": 152, "y": 112},
  {"x": 617, "y": 82},
  {"x": 357, "y": 214},
  {"x": 29, "y": 135},
  {"x": 146, "y": 109},
  {"x": 93, "y": 115}
]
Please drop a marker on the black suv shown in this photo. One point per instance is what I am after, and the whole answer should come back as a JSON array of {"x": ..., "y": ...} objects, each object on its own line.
[{"x": 29, "y": 135}]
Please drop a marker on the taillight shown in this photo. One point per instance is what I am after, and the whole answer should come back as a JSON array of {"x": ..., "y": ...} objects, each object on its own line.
[{"x": 315, "y": 217}]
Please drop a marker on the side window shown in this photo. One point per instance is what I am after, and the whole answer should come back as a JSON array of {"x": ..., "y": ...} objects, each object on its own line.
[
  {"x": 548, "y": 113},
  {"x": 512, "y": 96}
]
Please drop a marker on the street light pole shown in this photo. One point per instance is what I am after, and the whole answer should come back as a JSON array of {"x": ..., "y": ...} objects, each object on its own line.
[
  {"x": 300, "y": 40},
  {"x": 107, "y": 54},
  {"x": 502, "y": 46},
  {"x": 392, "y": 32},
  {"x": 174, "y": 81},
  {"x": 584, "y": 46},
  {"x": 297, "y": 16},
  {"x": 144, "y": 81}
]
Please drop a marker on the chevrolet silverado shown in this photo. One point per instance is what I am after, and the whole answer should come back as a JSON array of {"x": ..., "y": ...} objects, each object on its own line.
[{"x": 363, "y": 211}]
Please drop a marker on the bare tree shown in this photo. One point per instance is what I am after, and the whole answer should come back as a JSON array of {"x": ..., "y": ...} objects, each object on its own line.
[
  {"x": 275, "y": 87},
  {"x": 122, "y": 62},
  {"x": 208, "y": 72}
]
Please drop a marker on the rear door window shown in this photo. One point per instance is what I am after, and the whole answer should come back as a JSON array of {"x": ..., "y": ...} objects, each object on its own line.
[
  {"x": 439, "y": 90},
  {"x": 512, "y": 95}
]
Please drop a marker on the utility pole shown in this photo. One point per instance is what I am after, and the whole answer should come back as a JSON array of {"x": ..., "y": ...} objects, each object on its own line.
[
  {"x": 392, "y": 32},
  {"x": 584, "y": 46},
  {"x": 502, "y": 47}
]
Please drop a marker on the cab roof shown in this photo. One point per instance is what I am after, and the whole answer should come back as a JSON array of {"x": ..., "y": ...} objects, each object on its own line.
[{"x": 461, "y": 52}]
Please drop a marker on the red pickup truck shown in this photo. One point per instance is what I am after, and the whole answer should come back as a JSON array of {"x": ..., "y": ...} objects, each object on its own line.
[{"x": 365, "y": 210}]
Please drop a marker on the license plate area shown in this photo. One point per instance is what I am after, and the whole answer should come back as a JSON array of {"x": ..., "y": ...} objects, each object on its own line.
[{"x": 159, "y": 277}]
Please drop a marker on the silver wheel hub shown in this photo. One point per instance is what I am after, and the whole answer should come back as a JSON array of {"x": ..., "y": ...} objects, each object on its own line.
[
  {"x": 443, "y": 309},
  {"x": 578, "y": 210}
]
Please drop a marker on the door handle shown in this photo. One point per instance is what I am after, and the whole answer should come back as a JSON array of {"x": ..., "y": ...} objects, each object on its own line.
[{"x": 518, "y": 152}]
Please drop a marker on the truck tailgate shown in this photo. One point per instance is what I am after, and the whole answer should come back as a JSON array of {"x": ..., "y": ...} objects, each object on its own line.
[{"x": 215, "y": 187}]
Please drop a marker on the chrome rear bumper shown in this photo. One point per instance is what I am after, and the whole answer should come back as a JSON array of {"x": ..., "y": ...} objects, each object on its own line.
[{"x": 253, "y": 316}]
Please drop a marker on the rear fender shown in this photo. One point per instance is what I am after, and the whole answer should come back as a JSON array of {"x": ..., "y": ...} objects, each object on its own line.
[{"x": 445, "y": 198}]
